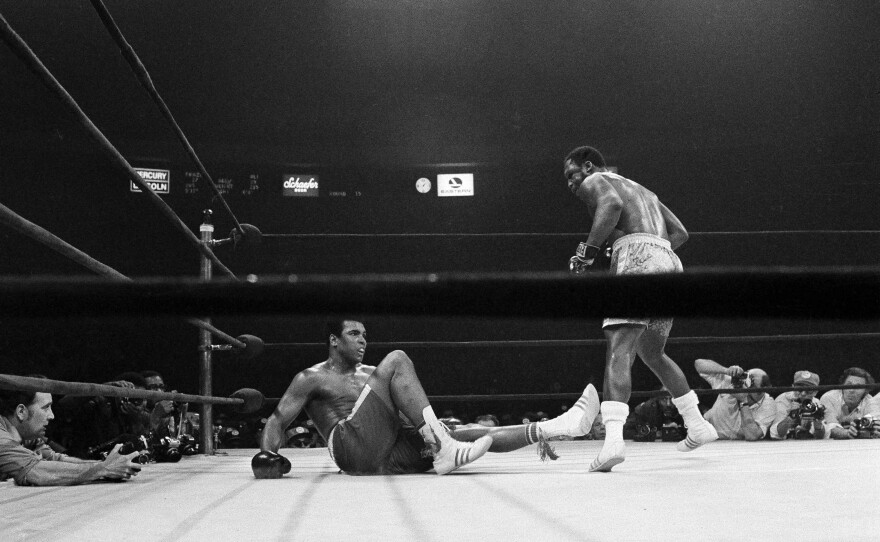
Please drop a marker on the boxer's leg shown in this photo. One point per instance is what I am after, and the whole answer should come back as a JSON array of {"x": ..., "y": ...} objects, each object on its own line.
[
  {"x": 396, "y": 382},
  {"x": 575, "y": 422},
  {"x": 651, "y": 350},
  {"x": 619, "y": 357}
]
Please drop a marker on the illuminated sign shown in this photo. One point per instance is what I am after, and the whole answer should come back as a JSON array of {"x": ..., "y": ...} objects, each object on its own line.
[
  {"x": 159, "y": 180},
  {"x": 455, "y": 184},
  {"x": 301, "y": 186}
]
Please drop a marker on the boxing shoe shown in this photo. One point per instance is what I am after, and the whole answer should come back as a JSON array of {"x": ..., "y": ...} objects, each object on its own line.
[
  {"x": 613, "y": 453},
  {"x": 699, "y": 430},
  {"x": 697, "y": 435},
  {"x": 449, "y": 454},
  {"x": 576, "y": 421},
  {"x": 453, "y": 454}
]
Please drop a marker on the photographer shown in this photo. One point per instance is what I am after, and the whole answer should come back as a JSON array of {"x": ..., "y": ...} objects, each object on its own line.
[
  {"x": 738, "y": 416},
  {"x": 799, "y": 414},
  {"x": 24, "y": 416},
  {"x": 91, "y": 421},
  {"x": 162, "y": 413},
  {"x": 658, "y": 415},
  {"x": 843, "y": 408}
]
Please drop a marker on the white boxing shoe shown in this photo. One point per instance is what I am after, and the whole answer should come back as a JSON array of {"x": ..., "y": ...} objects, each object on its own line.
[
  {"x": 613, "y": 453},
  {"x": 576, "y": 421},
  {"x": 454, "y": 454},
  {"x": 699, "y": 434}
]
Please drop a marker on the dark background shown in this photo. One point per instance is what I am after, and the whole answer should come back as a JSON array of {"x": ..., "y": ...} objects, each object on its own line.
[{"x": 742, "y": 117}]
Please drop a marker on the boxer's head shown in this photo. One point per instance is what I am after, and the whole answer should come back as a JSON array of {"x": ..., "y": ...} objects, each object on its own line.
[{"x": 580, "y": 163}]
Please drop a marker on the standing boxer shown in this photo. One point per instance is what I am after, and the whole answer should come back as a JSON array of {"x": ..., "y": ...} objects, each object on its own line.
[{"x": 645, "y": 234}]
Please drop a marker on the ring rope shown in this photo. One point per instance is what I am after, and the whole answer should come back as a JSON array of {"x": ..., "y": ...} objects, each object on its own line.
[
  {"x": 60, "y": 387},
  {"x": 638, "y": 394},
  {"x": 848, "y": 293},
  {"x": 47, "y": 238},
  {"x": 40, "y": 234},
  {"x": 554, "y": 234},
  {"x": 146, "y": 81},
  {"x": 24, "y": 52},
  {"x": 633, "y": 395},
  {"x": 554, "y": 343}
]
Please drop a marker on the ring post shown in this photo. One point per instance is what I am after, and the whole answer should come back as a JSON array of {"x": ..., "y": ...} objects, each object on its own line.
[{"x": 206, "y": 435}]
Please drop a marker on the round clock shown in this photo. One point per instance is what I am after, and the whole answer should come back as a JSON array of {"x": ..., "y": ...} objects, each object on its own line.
[{"x": 423, "y": 185}]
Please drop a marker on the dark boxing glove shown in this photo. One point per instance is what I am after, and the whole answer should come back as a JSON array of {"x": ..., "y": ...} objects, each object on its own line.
[
  {"x": 269, "y": 465},
  {"x": 590, "y": 258}
]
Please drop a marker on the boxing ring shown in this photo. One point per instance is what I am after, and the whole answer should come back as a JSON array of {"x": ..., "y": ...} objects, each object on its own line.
[{"x": 728, "y": 490}]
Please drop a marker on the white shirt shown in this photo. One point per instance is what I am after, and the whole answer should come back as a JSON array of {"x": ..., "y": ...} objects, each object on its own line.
[
  {"x": 725, "y": 416},
  {"x": 835, "y": 407}
]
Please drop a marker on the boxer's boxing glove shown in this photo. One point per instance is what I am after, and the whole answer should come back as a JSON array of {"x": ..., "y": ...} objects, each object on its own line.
[{"x": 269, "y": 465}]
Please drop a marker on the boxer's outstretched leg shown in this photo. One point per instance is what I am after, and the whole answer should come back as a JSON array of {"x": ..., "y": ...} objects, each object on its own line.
[
  {"x": 396, "y": 382},
  {"x": 575, "y": 422}
]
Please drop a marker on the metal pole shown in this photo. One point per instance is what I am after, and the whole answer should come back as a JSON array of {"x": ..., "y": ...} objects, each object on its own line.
[{"x": 206, "y": 437}]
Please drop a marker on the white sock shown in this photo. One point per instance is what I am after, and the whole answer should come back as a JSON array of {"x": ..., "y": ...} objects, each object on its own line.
[
  {"x": 614, "y": 415},
  {"x": 560, "y": 424},
  {"x": 431, "y": 430},
  {"x": 687, "y": 407}
]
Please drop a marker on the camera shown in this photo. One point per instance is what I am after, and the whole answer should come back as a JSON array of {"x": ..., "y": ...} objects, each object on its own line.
[
  {"x": 130, "y": 444},
  {"x": 741, "y": 380},
  {"x": 166, "y": 450},
  {"x": 809, "y": 409},
  {"x": 188, "y": 445},
  {"x": 672, "y": 430},
  {"x": 864, "y": 426},
  {"x": 645, "y": 433}
]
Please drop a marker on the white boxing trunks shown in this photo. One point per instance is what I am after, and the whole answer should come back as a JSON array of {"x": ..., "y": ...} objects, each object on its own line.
[{"x": 643, "y": 254}]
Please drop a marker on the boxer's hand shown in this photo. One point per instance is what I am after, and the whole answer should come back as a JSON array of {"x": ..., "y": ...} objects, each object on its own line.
[
  {"x": 583, "y": 259},
  {"x": 269, "y": 465}
]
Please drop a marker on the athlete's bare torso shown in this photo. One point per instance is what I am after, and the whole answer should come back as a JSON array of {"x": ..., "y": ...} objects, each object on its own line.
[
  {"x": 641, "y": 210},
  {"x": 333, "y": 394}
]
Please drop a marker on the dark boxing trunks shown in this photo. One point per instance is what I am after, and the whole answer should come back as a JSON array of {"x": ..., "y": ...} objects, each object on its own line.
[{"x": 374, "y": 440}]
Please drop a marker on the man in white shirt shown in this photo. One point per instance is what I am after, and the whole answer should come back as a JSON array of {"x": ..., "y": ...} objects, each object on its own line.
[
  {"x": 738, "y": 416},
  {"x": 842, "y": 407}
]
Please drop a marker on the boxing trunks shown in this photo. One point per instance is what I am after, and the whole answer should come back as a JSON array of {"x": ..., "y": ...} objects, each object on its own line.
[
  {"x": 375, "y": 440},
  {"x": 643, "y": 254}
]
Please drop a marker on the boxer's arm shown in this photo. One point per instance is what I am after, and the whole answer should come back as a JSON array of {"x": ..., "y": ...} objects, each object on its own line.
[
  {"x": 291, "y": 404},
  {"x": 674, "y": 228},
  {"x": 596, "y": 190}
]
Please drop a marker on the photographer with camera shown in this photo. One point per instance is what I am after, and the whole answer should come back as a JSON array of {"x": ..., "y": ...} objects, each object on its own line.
[
  {"x": 24, "y": 417},
  {"x": 658, "y": 416},
  {"x": 852, "y": 413},
  {"x": 738, "y": 416},
  {"x": 162, "y": 414},
  {"x": 799, "y": 415},
  {"x": 92, "y": 421}
]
